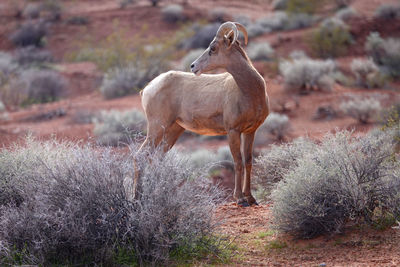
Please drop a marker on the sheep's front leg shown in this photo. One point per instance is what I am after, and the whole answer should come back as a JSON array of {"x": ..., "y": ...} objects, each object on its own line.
[
  {"x": 234, "y": 145},
  {"x": 248, "y": 140}
]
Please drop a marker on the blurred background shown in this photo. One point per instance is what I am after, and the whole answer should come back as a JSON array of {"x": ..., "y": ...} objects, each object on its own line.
[{"x": 72, "y": 69}]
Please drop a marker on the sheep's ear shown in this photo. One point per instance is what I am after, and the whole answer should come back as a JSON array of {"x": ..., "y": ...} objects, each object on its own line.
[{"x": 228, "y": 39}]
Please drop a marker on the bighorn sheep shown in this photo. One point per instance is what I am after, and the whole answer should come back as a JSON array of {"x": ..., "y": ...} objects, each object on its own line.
[{"x": 234, "y": 103}]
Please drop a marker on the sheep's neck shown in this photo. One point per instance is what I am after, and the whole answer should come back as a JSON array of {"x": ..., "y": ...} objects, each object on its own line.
[{"x": 250, "y": 82}]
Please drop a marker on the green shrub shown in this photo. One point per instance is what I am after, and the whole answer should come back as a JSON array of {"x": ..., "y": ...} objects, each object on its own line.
[
  {"x": 70, "y": 204},
  {"x": 302, "y": 6},
  {"x": 115, "y": 128},
  {"x": 362, "y": 109},
  {"x": 341, "y": 179},
  {"x": 330, "y": 39},
  {"x": 385, "y": 53},
  {"x": 304, "y": 74}
]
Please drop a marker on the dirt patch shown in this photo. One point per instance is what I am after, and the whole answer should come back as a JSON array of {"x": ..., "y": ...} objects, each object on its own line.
[{"x": 259, "y": 245}]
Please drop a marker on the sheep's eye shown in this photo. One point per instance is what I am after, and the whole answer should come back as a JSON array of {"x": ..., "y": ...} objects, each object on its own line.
[{"x": 212, "y": 49}]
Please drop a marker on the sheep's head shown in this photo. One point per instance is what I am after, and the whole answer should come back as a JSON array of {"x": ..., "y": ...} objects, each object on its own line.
[{"x": 217, "y": 55}]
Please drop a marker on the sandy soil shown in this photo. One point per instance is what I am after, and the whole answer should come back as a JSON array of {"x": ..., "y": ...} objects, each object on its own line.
[
  {"x": 249, "y": 226},
  {"x": 259, "y": 245}
]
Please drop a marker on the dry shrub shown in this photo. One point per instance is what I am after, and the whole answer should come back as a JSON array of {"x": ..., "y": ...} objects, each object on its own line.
[
  {"x": 330, "y": 39},
  {"x": 172, "y": 13},
  {"x": 30, "y": 33},
  {"x": 68, "y": 204},
  {"x": 363, "y": 109},
  {"x": 341, "y": 179},
  {"x": 115, "y": 128},
  {"x": 387, "y": 11},
  {"x": 120, "y": 82},
  {"x": 367, "y": 74},
  {"x": 190, "y": 58},
  {"x": 31, "y": 56},
  {"x": 260, "y": 51},
  {"x": 120, "y": 50},
  {"x": 42, "y": 86},
  {"x": 274, "y": 163},
  {"x": 275, "y": 125},
  {"x": 385, "y": 53},
  {"x": 201, "y": 37},
  {"x": 304, "y": 74}
]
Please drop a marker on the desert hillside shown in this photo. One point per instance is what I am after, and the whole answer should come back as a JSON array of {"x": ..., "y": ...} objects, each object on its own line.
[{"x": 70, "y": 76}]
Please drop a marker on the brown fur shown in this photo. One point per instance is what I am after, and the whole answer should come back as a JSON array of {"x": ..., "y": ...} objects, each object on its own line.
[{"x": 234, "y": 103}]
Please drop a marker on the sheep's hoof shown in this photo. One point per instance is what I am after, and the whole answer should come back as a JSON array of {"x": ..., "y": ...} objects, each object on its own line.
[
  {"x": 242, "y": 203},
  {"x": 251, "y": 200}
]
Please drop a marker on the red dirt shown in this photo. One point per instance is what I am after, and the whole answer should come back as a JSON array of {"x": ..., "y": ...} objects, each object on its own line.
[
  {"x": 364, "y": 247},
  {"x": 251, "y": 230}
]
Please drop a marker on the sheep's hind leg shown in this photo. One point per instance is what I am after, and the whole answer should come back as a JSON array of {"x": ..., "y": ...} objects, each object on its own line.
[
  {"x": 155, "y": 135},
  {"x": 234, "y": 145},
  {"x": 171, "y": 135}
]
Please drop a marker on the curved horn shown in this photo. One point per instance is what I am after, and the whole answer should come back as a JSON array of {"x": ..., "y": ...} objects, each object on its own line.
[
  {"x": 243, "y": 30},
  {"x": 225, "y": 28}
]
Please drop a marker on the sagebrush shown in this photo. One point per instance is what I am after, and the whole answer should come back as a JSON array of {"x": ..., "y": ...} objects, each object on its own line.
[
  {"x": 30, "y": 33},
  {"x": 115, "y": 128},
  {"x": 367, "y": 73},
  {"x": 172, "y": 13},
  {"x": 123, "y": 81},
  {"x": 69, "y": 204},
  {"x": 304, "y": 74},
  {"x": 260, "y": 51},
  {"x": 330, "y": 39},
  {"x": 273, "y": 163},
  {"x": 275, "y": 125},
  {"x": 341, "y": 179},
  {"x": 363, "y": 109},
  {"x": 385, "y": 53}
]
